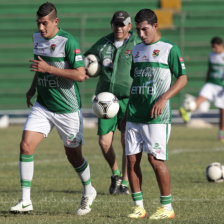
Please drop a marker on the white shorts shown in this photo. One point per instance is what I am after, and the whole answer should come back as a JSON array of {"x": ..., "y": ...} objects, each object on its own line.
[
  {"x": 69, "y": 125},
  {"x": 151, "y": 138},
  {"x": 213, "y": 93}
]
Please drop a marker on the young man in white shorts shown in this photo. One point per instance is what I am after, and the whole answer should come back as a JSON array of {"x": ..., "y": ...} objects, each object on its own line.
[
  {"x": 58, "y": 66},
  {"x": 148, "y": 114},
  {"x": 213, "y": 89}
]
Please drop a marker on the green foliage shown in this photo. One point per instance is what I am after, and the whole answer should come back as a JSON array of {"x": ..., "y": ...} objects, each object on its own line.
[{"x": 56, "y": 189}]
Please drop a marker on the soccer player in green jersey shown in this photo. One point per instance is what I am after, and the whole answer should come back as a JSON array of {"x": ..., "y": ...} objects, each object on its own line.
[
  {"x": 58, "y": 66},
  {"x": 114, "y": 52},
  {"x": 213, "y": 89},
  {"x": 148, "y": 115}
]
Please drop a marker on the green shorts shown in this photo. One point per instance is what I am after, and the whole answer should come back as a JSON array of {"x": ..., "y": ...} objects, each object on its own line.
[{"x": 107, "y": 125}]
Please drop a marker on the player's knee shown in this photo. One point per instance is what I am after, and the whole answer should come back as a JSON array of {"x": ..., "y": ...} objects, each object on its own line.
[
  {"x": 25, "y": 147},
  {"x": 156, "y": 164},
  {"x": 104, "y": 144},
  {"x": 132, "y": 162}
]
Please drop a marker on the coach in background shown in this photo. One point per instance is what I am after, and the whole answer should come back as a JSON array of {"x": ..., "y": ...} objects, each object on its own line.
[
  {"x": 58, "y": 65},
  {"x": 155, "y": 61},
  {"x": 115, "y": 54}
]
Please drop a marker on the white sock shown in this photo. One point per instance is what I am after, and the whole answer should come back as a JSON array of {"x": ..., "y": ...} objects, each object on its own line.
[
  {"x": 26, "y": 165},
  {"x": 139, "y": 203},
  {"x": 84, "y": 174}
]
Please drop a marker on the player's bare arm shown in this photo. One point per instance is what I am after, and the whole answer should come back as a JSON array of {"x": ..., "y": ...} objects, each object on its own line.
[
  {"x": 77, "y": 74},
  {"x": 31, "y": 92},
  {"x": 174, "y": 89}
]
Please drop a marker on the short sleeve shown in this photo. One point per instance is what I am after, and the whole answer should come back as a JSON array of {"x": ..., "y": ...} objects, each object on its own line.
[
  {"x": 73, "y": 53},
  {"x": 176, "y": 62}
]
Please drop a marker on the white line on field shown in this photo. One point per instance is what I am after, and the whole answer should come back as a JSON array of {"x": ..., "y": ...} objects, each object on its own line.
[{"x": 179, "y": 151}]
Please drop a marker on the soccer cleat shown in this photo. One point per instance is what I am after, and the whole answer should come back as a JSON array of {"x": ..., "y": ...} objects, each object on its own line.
[
  {"x": 185, "y": 114},
  {"x": 22, "y": 207},
  {"x": 86, "y": 203},
  {"x": 123, "y": 189},
  {"x": 163, "y": 213},
  {"x": 115, "y": 184},
  {"x": 138, "y": 213}
]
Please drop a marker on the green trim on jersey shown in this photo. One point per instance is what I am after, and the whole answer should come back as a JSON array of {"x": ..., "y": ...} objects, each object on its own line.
[
  {"x": 50, "y": 59},
  {"x": 58, "y": 94},
  {"x": 152, "y": 69}
]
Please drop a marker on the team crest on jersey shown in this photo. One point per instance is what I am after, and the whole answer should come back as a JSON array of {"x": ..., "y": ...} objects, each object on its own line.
[
  {"x": 155, "y": 53},
  {"x": 52, "y": 48},
  {"x": 127, "y": 53}
]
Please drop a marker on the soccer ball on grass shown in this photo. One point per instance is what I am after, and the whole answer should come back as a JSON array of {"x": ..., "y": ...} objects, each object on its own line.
[
  {"x": 214, "y": 172},
  {"x": 105, "y": 105}
]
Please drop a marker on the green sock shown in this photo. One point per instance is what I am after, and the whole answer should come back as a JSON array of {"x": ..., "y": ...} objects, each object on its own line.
[
  {"x": 138, "y": 199},
  {"x": 166, "y": 201},
  {"x": 116, "y": 172},
  {"x": 125, "y": 183}
]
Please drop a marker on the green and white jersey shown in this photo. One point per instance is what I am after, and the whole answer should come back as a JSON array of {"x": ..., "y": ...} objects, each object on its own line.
[
  {"x": 216, "y": 69},
  {"x": 152, "y": 68},
  {"x": 57, "y": 94}
]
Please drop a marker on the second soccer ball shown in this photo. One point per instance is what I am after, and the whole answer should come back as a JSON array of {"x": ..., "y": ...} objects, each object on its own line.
[{"x": 105, "y": 105}]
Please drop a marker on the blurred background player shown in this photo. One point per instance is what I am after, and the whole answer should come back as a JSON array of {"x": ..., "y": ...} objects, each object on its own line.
[
  {"x": 213, "y": 88},
  {"x": 148, "y": 118},
  {"x": 58, "y": 65},
  {"x": 114, "y": 53}
]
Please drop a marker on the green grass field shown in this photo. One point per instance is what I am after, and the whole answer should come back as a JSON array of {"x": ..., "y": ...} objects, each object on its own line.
[{"x": 56, "y": 189}]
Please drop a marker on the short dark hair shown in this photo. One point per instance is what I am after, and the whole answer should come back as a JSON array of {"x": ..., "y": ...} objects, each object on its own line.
[
  {"x": 146, "y": 15},
  {"x": 46, "y": 9},
  {"x": 216, "y": 40}
]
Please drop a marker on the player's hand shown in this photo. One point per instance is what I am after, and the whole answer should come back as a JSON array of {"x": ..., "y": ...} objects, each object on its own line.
[
  {"x": 39, "y": 65},
  {"x": 158, "y": 107},
  {"x": 30, "y": 93}
]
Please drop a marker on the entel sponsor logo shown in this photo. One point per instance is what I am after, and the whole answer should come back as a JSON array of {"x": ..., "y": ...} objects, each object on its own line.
[
  {"x": 146, "y": 88},
  {"x": 47, "y": 82}
]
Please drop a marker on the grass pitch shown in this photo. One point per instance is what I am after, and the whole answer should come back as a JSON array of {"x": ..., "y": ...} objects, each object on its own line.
[{"x": 56, "y": 188}]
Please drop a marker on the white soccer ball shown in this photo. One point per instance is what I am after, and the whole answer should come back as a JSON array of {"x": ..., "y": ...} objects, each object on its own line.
[
  {"x": 214, "y": 172},
  {"x": 92, "y": 65},
  {"x": 105, "y": 105},
  {"x": 189, "y": 103}
]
